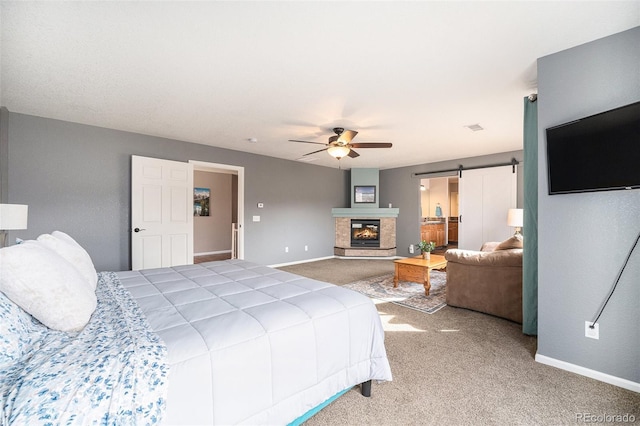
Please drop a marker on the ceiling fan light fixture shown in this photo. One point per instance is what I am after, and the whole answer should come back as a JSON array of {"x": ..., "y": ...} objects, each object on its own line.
[
  {"x": 338, "y": 151},
  {"x": 340, "y": 144}
]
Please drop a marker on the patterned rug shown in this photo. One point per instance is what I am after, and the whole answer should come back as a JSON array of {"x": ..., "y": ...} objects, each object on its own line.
[{"x": 407, "y": 293}]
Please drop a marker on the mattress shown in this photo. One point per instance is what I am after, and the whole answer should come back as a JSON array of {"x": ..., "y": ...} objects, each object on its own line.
[{"x": 249, "y": 344}]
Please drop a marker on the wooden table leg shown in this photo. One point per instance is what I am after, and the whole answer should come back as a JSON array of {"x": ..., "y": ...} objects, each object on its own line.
[
  {"x": 427, "y": 281},
  {"x": 395, "y": 277}
]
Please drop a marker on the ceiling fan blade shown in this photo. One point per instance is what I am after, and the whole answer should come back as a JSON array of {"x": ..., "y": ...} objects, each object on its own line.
[
  {"x": 372, "y": 145},
  {"x": 315, "y": 152},
  {"x": 317, "y": 143},
  {"x": 347, "y": 135},
  {"x": 353, "y": 154}
]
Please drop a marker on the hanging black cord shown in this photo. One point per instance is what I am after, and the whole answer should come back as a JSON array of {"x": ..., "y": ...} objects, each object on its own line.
[{"x": 593, "y": 323}]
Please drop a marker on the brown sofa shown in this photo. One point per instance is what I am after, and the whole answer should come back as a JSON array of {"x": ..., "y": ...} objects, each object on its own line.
[{"x": 489, "y": 280}]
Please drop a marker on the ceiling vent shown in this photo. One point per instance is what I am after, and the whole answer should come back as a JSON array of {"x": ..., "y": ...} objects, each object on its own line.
[
  {"x": 474, "y": 127},
  {"x": 306, "y": 159}
]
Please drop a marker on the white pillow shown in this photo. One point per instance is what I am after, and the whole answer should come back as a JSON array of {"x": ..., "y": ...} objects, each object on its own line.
[
  {"x": 47, "y": 286},
  {"x": 73, "y": 252}
]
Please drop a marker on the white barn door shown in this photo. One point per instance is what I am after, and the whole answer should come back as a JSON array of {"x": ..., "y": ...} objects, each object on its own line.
[
  {"x": 485, "y": 197},
  {"x": 161, "y": 213}
]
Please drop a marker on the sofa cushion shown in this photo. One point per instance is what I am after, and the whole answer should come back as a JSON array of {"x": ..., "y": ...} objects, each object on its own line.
[{"x": 514, "y": 242}]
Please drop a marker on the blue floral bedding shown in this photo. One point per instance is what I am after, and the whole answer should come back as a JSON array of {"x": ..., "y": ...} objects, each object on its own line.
[{"x": 113, "y": 372}]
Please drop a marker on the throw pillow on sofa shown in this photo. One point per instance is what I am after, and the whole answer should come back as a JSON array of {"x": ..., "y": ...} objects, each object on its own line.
[{"x": 514, "y": 242}]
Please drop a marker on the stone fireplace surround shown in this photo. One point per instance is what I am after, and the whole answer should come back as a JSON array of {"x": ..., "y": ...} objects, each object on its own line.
[{"x": 343, "y": 232}]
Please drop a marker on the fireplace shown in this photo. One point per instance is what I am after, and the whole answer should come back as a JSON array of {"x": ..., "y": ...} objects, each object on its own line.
[{"x": 365, "y": 232}]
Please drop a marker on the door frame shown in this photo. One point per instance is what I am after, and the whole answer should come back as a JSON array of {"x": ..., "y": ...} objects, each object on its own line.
[{"x": 204, "y": 166}]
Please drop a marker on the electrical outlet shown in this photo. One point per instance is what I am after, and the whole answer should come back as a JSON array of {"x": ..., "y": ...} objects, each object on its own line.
[
  {"x": 306, "y": 248},
  {"x": 592, "y": 333},
  {"x": 286, "y": 249},
  {"x": 411, "y": 249}
]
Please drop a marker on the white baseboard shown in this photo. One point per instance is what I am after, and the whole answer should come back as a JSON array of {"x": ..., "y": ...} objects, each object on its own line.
[
  {"x": 583, "y": 371},
  {"x": 297, "y": 262},
  {"x": 335, "y": 257},
  {"x": 369, "y": 257},
  {"x": 212, "y": 252}
]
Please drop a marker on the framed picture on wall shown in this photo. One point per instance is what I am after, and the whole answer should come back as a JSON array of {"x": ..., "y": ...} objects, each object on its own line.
[
  {"x": 201, "y": 199},
  {"x": 364, "y": 194}
]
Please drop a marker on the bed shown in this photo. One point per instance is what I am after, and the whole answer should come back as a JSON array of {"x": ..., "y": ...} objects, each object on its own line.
[{"x": 229, "y": 342}]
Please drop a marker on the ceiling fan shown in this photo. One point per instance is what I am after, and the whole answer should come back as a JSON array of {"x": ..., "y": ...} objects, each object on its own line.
[{"x": 340, "y": 144}]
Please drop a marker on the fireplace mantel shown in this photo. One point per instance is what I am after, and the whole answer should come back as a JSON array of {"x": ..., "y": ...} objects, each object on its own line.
[{"x": 365, "y": 212}]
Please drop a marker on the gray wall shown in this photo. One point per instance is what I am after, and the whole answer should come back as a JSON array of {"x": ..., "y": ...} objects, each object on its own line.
[
  {"x": 584, "y": 238},
  {"x": 402, "y": 189},
  {"x": 4, "y": 155},
  {"x": 77, "y": 179}
]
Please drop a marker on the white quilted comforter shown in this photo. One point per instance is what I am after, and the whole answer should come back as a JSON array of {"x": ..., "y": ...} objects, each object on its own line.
[{"x": 255, "y": 345}]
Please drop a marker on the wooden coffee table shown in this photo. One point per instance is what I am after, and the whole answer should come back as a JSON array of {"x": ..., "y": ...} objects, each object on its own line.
[{"x": 417, "y": 270}]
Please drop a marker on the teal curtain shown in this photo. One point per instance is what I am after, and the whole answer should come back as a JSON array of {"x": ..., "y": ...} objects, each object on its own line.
[{"x": 530, "y": 225}]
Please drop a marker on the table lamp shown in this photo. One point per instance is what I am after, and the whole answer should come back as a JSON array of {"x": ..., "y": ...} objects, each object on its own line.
[
  {"x": 514, "y": 219},
  {"x": 12, "y": 217}
]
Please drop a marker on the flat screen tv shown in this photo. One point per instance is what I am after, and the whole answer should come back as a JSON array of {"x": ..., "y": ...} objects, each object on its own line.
[{"x": 596, "y": 153}]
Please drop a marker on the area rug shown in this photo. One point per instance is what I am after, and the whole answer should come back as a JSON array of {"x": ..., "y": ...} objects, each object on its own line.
[{"x": 407, "y": 293}]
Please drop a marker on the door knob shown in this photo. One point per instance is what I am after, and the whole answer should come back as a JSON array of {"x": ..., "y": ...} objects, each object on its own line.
[{"x": 138, "y": 230}]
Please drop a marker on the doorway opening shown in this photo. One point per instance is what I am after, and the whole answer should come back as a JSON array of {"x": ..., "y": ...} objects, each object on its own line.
[
  {"x": 483, "y": 197},
  {"x": 439, "y": 212},
  {"x": 220, "y": 236}
]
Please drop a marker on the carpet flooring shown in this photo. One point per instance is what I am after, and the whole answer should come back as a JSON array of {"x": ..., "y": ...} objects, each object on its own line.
[
  {"x": 408, "y": 294},
  {"x": 459, "y": 367}
]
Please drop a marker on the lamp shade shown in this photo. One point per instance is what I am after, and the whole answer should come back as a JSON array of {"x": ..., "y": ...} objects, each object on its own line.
[
  {"x": 13, "y": 216},
  {"x": 338, "y": 151},
  {"x": 514, "y": 217}
]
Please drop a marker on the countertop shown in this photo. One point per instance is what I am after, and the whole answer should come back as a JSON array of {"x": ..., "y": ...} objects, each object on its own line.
[{"x": 432, "y": 220}]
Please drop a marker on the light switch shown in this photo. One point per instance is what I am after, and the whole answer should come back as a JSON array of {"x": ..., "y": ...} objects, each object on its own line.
[{"x": 256, "y": 218}]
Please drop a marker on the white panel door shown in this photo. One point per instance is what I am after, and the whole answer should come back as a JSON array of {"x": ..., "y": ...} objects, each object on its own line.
[
  {"x": 485, "y": 197},
  {"x": 161, "y": 213},
  {"x": 470, "y": 209}
]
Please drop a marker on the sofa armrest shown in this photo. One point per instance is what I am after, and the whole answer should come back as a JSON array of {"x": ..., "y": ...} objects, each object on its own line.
[{"x": 511, "y": 257}]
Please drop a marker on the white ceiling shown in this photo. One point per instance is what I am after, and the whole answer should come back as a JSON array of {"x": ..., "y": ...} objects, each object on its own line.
[{"x": 219, "y": 73}]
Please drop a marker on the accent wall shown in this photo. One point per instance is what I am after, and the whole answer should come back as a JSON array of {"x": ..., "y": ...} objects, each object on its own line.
[{"x": 583, "y": 239}]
